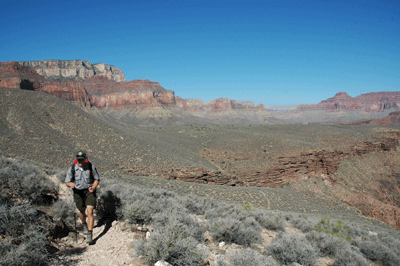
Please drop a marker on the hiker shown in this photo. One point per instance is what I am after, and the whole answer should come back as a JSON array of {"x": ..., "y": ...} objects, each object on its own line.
[{"x": 83, "y": 178}]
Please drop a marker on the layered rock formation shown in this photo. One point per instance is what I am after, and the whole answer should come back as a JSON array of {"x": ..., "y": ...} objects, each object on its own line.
[
  {"x": 134, "y": 94},
  {"x": 369, "y": 102},
  {"x": 74, "y": 69},
  {"x": 197, "y": 105},
  {"x": 226, "y": 111},
  {"x": 96, "y": 90},
  {"x": 14, "y": 75}
]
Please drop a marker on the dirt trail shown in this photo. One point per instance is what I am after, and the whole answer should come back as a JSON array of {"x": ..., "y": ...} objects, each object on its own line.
[
  {"x": 112, "y": 242},
  {"x": 112, "y": 247}
]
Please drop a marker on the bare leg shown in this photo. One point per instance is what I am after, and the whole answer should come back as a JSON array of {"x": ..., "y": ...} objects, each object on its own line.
[
  {"x": 90, "y": 215},
  {"x": 82, "y": 215}
]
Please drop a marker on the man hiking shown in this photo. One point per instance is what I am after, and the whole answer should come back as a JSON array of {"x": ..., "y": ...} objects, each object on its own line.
[{"x": 83, "y": 178}]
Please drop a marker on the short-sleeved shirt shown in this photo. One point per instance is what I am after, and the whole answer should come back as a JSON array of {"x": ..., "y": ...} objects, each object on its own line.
[{"x": 82, "y": 176}]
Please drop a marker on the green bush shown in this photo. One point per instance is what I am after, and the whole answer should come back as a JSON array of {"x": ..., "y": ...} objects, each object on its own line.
[{"x": 337, "y": 229}]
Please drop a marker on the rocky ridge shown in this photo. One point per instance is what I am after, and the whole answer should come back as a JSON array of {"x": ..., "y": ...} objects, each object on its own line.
[{"x": 368, "y": 102}]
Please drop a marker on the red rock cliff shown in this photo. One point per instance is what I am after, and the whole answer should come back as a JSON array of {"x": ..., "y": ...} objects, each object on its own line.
[
  {"x": 97, "y": 90},
  {"x": 105, "y": 93}
]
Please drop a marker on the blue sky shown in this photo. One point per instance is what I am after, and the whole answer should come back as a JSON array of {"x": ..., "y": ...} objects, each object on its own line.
[{"x": 274, "y": 52}]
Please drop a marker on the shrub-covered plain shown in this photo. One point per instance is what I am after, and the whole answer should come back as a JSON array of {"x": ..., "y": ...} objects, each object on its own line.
[{"x": 178, "y": 224}]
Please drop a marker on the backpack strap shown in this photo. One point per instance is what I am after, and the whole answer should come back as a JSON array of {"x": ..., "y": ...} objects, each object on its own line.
[
  {"x": 91, "y": 172},
  {"x": 73, "y": 173}
]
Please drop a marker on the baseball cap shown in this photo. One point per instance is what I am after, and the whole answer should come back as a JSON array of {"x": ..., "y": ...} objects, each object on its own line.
[{"x": 80, "y": 155}]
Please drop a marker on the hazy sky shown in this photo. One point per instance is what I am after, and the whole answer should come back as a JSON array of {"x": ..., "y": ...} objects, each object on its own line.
[{"x": 273, "y": 52}]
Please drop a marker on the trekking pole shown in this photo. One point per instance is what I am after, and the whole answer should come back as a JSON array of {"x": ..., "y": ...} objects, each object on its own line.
[
  {"x": 73, "y": 209},
  {"x": 76, "y": 232}
]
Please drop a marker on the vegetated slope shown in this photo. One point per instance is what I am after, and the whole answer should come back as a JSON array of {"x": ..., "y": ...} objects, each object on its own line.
[{"x": 49, "y": 129}]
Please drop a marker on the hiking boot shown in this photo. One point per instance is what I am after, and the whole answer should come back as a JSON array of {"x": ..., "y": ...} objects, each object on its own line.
[
  {"x": 85, "y": 229},
  {"x": 89, "y": 238}
]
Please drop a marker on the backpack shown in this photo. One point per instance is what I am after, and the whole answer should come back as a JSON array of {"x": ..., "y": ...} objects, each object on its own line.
[{"x": 91, "y": 172}]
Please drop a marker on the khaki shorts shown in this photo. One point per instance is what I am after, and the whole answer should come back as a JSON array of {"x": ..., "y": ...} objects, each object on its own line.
[{"x": 84, "y": 198}]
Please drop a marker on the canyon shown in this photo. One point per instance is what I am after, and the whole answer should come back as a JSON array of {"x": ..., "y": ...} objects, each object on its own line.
[
  {"x": 231, "y": 143},
  {"x": 104, "y": 86}
]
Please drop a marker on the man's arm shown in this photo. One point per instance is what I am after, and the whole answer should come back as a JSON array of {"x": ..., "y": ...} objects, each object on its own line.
[
  {"x": 68, "y": 179},
  {"x": 96, "y": 179},
  {"x": 94, "y": 185}
]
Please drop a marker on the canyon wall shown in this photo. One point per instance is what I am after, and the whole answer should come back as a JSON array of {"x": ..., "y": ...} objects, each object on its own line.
[
  {"x": 95, "y": 90},
  {"x": 74, "y": 69},
  {"x": 197, "y": 105},
  {"x": 368, "y": 102}
]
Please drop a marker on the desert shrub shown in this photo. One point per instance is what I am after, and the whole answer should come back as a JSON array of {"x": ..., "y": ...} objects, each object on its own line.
[
  {"x": 232, "y": 230},
  {"x": 64, "y": 211},
  {"x": 24, "y": 239},
  {"x": 269, "y": 220},
  {"x": 226, "y": 210},
  {"x": 337, "y": 229},
  {"x": 141, "y": 205},
  {"x": 391, "y": 242},
  {"x": 246, "y": 257},
  {"x": 138, "y": 212},
  {"x": 172, "y": 243},
  {"x": 302, "y": 223},
  {"x": 354, "y": 231},
  {"x": 337, "y": 248},
  {"x": 21, "y": 180},
  {"x": 292, "y": 249},
  {"x": 180, "y": 218},
  {"x": 378, "y": 252},
  {"x": 326, "y": 244},
  {"x": 349, "y": 256},
  {"x": 197, "y": 205}
]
